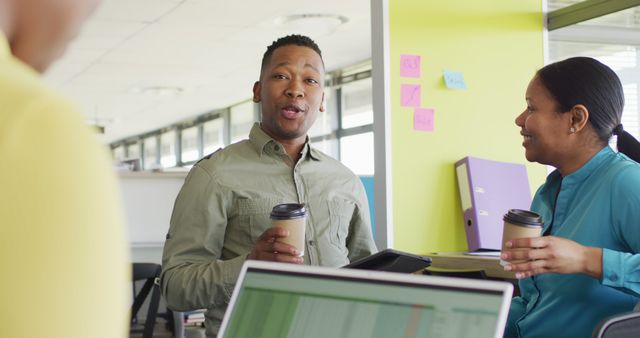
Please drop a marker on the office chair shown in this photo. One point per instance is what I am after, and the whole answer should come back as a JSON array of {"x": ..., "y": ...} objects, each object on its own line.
[
  {"x": 460, "y": 273},
  {"x": 626, "y": 325},
  {"x": 148, "y": 272}
]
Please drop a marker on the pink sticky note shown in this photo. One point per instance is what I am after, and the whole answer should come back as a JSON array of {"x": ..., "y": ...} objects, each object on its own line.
[
  {"x": 423, "y": 119},
  {"x": 409, "y": 95},
  {"x": 409, "y": 65}
]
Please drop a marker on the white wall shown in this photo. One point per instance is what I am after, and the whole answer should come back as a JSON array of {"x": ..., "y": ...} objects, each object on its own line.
[{"x": 148, "y": 201}]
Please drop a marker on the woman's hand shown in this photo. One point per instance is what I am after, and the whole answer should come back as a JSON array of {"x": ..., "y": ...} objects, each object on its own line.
[{"x": 551, "y": 254}]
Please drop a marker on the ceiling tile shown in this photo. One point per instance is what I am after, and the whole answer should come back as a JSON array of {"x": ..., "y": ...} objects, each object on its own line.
[{"x": 209, "y": 48}]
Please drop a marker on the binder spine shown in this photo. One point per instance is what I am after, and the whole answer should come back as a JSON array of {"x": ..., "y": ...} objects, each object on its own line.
[{"x": 467, "y": 202}]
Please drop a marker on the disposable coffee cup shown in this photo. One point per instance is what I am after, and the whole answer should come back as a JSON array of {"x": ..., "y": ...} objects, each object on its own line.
[
  {"x": 292, "y": 217},
  {"x": 520, "y": 224}
]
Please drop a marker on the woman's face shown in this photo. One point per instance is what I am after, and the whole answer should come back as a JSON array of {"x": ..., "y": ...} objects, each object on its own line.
[
  {"x": 43, "y": 28},
  {"x": 545, "y": 130}
]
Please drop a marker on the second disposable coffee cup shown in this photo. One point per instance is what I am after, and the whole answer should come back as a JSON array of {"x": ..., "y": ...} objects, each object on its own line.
[
  {"x": 520, "y": 224},
  {"x": 292, "y": 217}
]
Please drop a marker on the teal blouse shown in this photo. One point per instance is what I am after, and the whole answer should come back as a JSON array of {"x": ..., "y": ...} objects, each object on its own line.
[{"x": 598, "y": 206}]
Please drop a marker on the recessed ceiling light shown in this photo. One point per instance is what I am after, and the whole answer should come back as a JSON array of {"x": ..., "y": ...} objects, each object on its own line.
[
  {"x": 311, "y": 24},
  {"x": 157, "y": 90}
]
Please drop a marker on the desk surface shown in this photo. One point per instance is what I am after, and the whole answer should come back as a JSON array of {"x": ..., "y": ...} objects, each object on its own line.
[{"x": 456, "y": 260}]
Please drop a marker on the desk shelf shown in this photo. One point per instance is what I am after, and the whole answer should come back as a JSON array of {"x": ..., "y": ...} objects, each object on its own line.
[{"x": 490, "y": 264}]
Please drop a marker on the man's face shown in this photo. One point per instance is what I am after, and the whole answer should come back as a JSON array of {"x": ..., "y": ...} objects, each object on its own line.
[{"x": 290, "y": 92}]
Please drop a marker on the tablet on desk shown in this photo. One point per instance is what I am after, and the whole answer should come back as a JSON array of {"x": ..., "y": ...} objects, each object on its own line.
[{"x": 392, "y": 261}]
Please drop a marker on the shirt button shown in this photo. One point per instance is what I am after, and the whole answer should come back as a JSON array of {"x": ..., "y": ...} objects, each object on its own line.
[
  {"x": 276, "y": 148},
  {"x": 312, "y": 242},
  {"x": 613, "y": 277}
]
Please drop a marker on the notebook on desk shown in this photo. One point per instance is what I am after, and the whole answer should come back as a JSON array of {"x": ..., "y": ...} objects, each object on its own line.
[{"x": 274, "y": 300}]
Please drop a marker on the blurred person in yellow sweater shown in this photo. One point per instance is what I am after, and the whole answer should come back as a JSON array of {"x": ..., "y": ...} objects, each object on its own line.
[{"x": 64, "y": 269}]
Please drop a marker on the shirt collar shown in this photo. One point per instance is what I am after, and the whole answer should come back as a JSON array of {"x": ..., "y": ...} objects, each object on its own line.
[
  {"x": 601, "y": 157},
  {"x": 604, "y": 155},
  {"x": 259, "y": 139},
  {"x": 4, "y": 46},
  {"x": 6, "y": 54},
  {"x": 309, "y": 152}
]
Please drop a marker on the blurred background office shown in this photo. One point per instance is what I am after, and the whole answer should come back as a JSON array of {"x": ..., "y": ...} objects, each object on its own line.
[{"x": 166, "y": 82}]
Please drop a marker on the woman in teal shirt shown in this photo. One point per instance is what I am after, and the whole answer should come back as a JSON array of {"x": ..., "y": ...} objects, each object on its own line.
[{"x": 586, "y": 267}]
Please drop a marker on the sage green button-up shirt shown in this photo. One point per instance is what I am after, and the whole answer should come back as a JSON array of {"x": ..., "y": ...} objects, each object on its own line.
[{"x": 225, "y": 205}]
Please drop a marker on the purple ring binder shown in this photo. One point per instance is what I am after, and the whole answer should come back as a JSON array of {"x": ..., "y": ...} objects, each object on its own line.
[{"x": 487, "y": 190}]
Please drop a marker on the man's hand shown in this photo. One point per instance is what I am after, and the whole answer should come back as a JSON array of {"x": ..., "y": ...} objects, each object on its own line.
[
  {"x": 267, "y": 248},
  {"x": 552, "y": 254}
]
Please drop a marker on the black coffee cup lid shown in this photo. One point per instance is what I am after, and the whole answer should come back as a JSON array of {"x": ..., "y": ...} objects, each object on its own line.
[
  {"x": 523, "y": 217},
  {"x": 288, "y": 211}
]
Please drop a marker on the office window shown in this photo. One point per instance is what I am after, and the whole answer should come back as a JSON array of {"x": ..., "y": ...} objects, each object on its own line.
[
  {"x": 328, "y": 146},
  {"x": 357, "y": 105},
  {"x": 242, "y": 118},
  {"x": 323, "y": 133},
  {"x": 189, "y": 144},
  {"x": 622, "y": 59},
  {"x": 150, "y": 157},
  {"x": 356, "y": 152},
  {"x": 212, "y": 136},
  {"x": 326, "y": 122},
  {"x": 347, "y": 120},
  {"x": 356, "y": 122},
  {"x": 118, "y": 153},
  {"x": 133, "y": 150},
  {"x": 611, "y": 39},
  {"x": 631, "y": 114},
  {"x": 168, "y": 149}
]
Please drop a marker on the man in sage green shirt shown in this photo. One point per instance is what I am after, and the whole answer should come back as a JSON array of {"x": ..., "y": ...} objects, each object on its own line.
[{"x": 221, "y": 216}]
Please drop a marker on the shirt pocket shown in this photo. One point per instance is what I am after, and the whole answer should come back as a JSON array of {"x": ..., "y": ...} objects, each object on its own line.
[
  {"x": 256, "y": 214},
  {"x": 340, "y": 214}
]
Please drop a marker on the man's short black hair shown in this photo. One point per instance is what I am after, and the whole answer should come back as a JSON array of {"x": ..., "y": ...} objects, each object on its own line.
[{"x": 293, "y": 39}]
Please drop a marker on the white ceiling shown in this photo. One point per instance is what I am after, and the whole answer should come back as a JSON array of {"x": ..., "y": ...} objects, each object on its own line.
[{"x": 209, "y": 48}]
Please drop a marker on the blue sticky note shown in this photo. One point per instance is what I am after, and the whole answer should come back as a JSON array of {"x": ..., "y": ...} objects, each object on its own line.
[{"x": 454, "y": 80}]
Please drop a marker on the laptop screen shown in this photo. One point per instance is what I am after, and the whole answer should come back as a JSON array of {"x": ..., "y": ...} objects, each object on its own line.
[{"x": 276, "y": 301}]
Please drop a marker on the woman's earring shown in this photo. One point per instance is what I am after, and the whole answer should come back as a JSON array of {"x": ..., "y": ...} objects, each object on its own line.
[{"x": 572, "y": 130}]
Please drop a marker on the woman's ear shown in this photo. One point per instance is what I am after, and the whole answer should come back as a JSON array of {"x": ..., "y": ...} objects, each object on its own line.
[{"x": 579, "y": 118}]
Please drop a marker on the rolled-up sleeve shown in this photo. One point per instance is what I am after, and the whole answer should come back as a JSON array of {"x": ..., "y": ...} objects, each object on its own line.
[{"x": 193, "y": 276}]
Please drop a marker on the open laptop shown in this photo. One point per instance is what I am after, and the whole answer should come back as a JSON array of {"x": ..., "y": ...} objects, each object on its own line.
[{"x": 273, "y": 300}]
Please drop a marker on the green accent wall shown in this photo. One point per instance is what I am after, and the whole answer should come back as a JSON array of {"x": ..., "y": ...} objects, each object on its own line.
[{"x": 498, "y": 46}]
